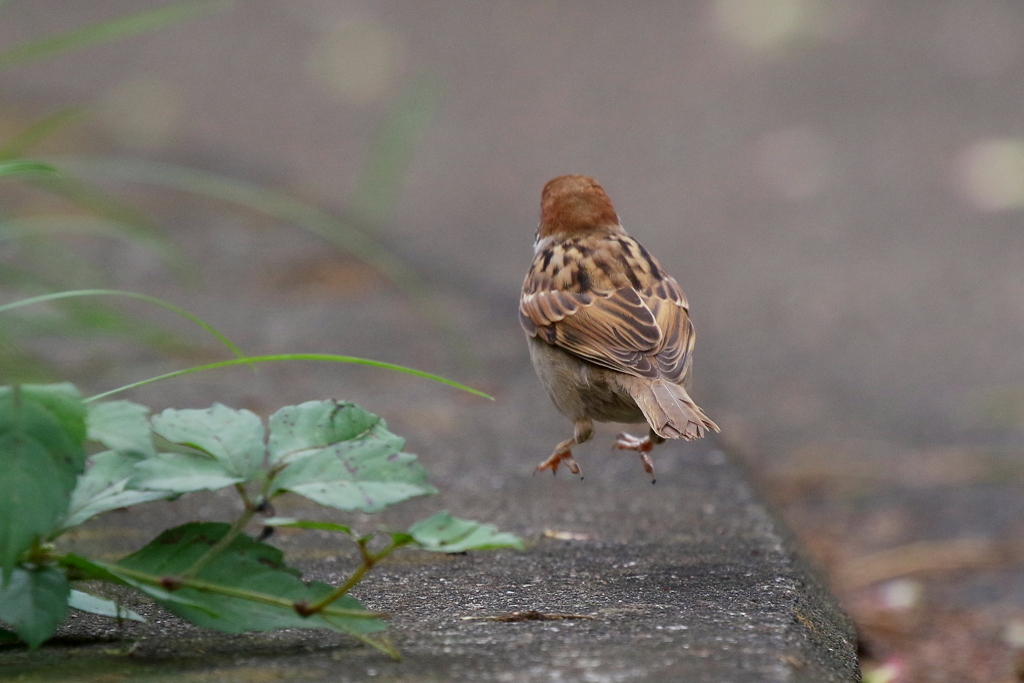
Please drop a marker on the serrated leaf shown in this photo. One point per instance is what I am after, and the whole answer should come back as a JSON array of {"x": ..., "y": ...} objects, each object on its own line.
[
  {"x": 84, "y": 602},
  {"x": 181, "y": 473},
  {"x": 306, "y": 524},
  {"x": 247, "y": 565},
  {"x": 233, "y": 437},
  {"x": 447, "y": 534},
  {"x": 34, "y": 602},
  {"x": 121, "y": 426},
  {"x": 296, "y": 431},
  {"x": 355, "y": 481},
  {"x": 104, "y": 487},
  {"x": 40, "y": 458},
  {"x": 342, "y": 456}
]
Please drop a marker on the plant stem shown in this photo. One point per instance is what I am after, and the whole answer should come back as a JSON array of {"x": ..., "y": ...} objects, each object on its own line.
[
  {"x": 369, "y": 559},
  {"x": 240, "y": 488},
  {"x": 241, "y": 593}
]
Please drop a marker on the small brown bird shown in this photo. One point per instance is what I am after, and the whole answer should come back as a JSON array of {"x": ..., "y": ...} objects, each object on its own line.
[{"x": 608, "y": 329}]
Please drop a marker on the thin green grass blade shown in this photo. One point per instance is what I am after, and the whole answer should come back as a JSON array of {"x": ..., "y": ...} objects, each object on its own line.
[
  {"x": 257, "y": 198},
  {"x": 80, "y": 318},
  {"x": 84, "y": 318},
  {"x": 343, "y": 233},
  {"x": 136, "y": 224},
  {"x": 380, "y": 181},
  {"x": 21, "y": 168},
  {"x": 61, "y": 224},
  {"x": 133, "y": 295},
  {"x": 294, "y": 356},
  {"x": 39, "y": 131},
  {"x": 107, "y": 31}
]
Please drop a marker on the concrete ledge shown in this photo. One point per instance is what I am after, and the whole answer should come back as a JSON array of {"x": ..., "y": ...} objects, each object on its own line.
[
  {"x": 689, "y": 580},
  {"x": 713, "y": 592}
]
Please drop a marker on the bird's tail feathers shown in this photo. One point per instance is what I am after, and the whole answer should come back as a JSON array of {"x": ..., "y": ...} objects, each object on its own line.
[{"x": 669, "y": 410}]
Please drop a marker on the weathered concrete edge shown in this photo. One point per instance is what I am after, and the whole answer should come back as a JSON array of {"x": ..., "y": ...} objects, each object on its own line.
[{"x": 819, "y": 627}]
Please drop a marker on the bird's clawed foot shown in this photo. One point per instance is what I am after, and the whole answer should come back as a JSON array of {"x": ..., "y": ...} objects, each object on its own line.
[
  {"x": 556, "y": 459},
  {"x": 628, "y": 442}
]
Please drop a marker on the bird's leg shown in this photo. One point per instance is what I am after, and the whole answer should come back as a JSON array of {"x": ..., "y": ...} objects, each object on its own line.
[
  {"x": 643, "y": 447},
  {"x": 563, "y": 451}
]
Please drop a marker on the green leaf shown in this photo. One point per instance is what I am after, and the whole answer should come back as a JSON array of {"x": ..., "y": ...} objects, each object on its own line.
[
  {"x": 105, "y": 487},
  {"x": 104, "y": 32},
  {"x": 84, "y": 602},
  {"x": 34, "y": 602},
  {"x": 306, "y": 524},
  {"x": 41, "y": 455},
  {"x": 296, "y": 431},
  {"x": 233, "y": 437},
  {"x": 124, "y": 427},
  {"x": 121, "y": 426},
  {"x": 447, "y": 534},
  {"x": 181, "y": 473},
  {"x": 400, "y": 538},
  {"x": 355, "y": 483},
  {"x": 8, "y": 637},
  {"x": 65, "y": 402},
  {"x": 342, "y": 456},
  {"x": 246, "y": 566}
]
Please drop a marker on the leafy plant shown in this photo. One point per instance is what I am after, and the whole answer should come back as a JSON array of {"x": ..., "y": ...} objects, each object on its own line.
[
  {"x": 212, "y": 574},
  {"x": 336, "y": 454}
]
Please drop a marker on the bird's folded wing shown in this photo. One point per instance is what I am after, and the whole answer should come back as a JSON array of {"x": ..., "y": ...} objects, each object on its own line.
[{"x": 644, "y": 332}]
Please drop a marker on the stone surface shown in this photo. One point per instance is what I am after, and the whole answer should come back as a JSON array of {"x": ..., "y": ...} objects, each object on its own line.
[{"x": 690, "y": 579}]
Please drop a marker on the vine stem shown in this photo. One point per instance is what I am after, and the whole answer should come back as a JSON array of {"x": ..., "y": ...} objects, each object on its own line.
[
  {"x": 241, "y": 593},
  {"x": 369, "y": 559}
]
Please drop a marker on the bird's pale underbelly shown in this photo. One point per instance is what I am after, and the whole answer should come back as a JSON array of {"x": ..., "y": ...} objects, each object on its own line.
[{"x": 581, "y": 389}]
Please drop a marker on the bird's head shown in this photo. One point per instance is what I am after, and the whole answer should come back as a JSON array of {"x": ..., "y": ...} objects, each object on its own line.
[{"x": 575, "y": 205}]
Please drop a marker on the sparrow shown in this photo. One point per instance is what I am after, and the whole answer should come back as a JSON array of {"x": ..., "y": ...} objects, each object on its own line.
[{"x": 608, "y": 329}]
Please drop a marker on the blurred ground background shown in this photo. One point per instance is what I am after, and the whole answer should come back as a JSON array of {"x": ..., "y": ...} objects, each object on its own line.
[{"x": 838, "y": 185}]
